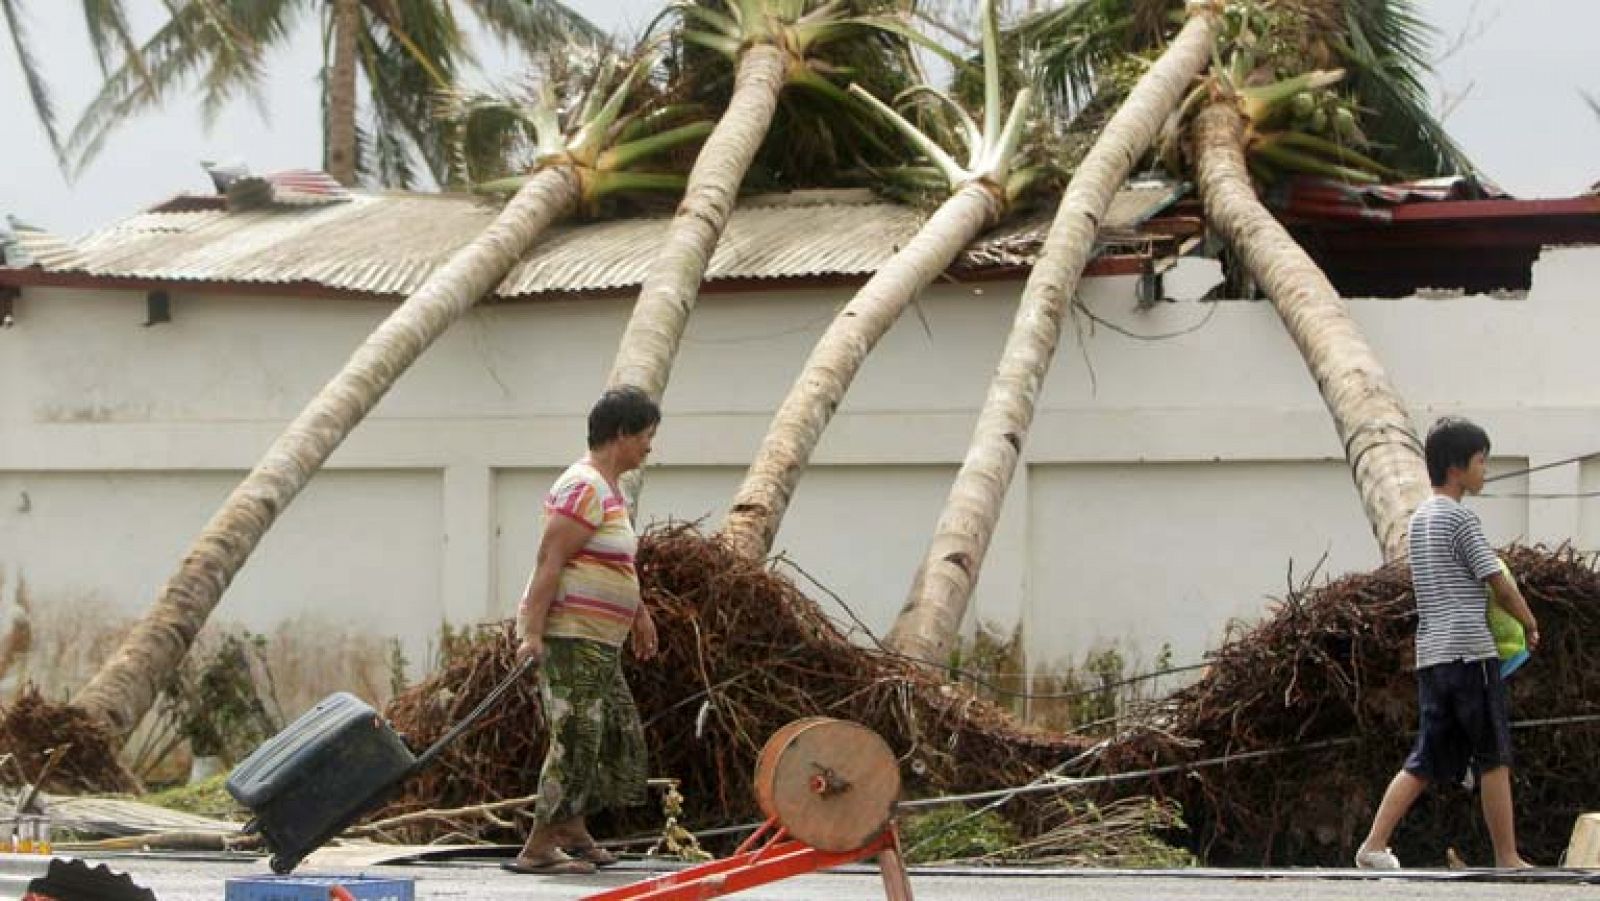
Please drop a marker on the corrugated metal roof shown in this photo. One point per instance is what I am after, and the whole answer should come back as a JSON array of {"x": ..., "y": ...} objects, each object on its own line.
[{"x": 389, "y": 243}]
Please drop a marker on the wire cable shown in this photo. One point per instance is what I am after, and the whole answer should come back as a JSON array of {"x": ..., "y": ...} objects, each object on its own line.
[
  {"x": 1057, "y": 783},
  {"x": 1063, "y": 783},
  {"x": 1139, "y": 336},
  {"x": 1541, "y": 467}
]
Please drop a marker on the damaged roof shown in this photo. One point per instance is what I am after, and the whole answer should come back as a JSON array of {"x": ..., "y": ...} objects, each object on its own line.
[{"x": 388, "y": 243}]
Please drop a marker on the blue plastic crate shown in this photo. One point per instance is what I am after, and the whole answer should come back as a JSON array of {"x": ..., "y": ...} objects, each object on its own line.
[{"x": 318, "y": 888}]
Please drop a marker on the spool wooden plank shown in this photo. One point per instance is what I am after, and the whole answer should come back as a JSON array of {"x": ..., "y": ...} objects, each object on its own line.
[{"x": 831, "y": 783}]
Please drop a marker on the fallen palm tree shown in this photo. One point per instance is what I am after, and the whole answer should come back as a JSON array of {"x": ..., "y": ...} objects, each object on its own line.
[{"x": 1319, "y": 701}]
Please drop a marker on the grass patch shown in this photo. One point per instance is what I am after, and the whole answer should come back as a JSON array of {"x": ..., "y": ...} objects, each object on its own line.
[
  {"x": 207, "y": 798},
  {"x": 945, "y": 833}
]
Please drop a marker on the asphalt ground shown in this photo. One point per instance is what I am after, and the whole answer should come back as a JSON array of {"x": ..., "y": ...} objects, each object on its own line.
[{"x": 178, "y": 879}]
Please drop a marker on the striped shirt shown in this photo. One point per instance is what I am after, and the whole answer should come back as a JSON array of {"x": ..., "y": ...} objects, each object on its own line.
[
  {"x": 599, "y": 591},
  {"x": 1450, "y": 559}
]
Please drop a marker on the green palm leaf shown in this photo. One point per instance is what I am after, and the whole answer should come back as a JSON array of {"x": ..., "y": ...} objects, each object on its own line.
[
  {"x": 409, "y": 50},
  {"x": 109, "y": 35},
  {"x": 218, "y": 42},
  {"x": 1385, "y": 49},
  {"x": 407, "y": 61},
  {"x": 1078, "y": 44},
  {"x": 109, "y": 38},
  {"x": 537, "y": 25},
  {"x": 38, "y": 90},
  {"x": 1084, "y": 49}
]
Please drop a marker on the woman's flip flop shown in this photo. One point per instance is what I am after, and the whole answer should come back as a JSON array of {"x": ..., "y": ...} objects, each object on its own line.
[
  {"x": 594, "y": 854},
  {"x": 555, "y": 866}
]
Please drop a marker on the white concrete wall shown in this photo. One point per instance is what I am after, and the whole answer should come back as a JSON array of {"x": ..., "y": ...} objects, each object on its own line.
[{"x": 1170, "y": 484}]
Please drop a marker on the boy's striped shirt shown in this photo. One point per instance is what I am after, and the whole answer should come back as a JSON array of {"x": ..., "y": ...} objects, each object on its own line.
[{"x": 1450, "y": 559}]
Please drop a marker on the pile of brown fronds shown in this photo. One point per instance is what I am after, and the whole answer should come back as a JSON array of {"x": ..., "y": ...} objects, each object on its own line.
[
  {"x": 743, "y": 652},
  {"x": 60, "y": 748},
  {"x": 1330, "y": 673}
]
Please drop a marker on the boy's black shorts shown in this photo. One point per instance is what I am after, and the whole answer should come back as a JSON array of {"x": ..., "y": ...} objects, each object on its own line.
[{"x": 1465, "y": 720}]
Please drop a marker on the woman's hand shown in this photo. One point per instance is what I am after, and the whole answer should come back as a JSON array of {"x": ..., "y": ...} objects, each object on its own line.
[
  {"x": 532, "y": 648},
  {"x": 644, "y": 635}
]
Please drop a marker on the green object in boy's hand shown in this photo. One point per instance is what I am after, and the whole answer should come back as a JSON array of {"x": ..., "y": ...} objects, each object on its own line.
[{"x": 1510, "y": 638}]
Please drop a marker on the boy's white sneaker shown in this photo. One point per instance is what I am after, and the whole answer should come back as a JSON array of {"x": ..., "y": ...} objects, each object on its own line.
[{"x": 1377, "y": 860}]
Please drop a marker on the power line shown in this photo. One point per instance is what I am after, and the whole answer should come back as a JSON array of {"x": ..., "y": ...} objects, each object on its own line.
[
  {"x": 1543, "y": 466},
  {"x": 1546, "y": 496},
  {"x": 1059, "y": 783},
  {"x": 1051, "y": 781}
]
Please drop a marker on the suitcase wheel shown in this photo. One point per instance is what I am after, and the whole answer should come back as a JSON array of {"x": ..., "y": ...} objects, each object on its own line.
[{"x": 282, "y": 864}]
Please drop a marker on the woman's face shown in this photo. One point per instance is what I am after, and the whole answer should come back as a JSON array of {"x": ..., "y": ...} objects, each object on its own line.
[{"x": 635, "y": 448}]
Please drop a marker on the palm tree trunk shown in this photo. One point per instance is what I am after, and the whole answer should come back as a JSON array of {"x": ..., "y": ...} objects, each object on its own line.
[
  {"x": 1379, "y": 441},
  {"x": 672, "y": 285},
  {"x": 928, "y": 624},
  {"x": 341, "y": 124},
  {"x": 126, "y": 686},
  {"x": 762, "y": 500},
  {"x": 650, "y": 342}
]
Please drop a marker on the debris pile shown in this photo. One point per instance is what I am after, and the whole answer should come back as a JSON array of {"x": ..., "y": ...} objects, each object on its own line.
[
  {"x": 743, "y": 651},
  {"x": 59, "y": 748},
  {"x": 1330, "y": 674}
]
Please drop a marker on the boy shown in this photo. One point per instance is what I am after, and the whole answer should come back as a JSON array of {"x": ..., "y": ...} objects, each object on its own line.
[{"x": 1462, "y": 698}]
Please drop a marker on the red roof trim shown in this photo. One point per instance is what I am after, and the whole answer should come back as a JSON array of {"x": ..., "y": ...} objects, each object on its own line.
[{"x": 1468, "y": 210}]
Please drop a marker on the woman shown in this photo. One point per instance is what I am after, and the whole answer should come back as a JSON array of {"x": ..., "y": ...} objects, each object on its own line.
[{"x": 581, "y": 604}]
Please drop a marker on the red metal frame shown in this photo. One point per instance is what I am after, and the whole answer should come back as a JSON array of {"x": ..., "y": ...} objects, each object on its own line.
[{"x": 779, "y": 858}]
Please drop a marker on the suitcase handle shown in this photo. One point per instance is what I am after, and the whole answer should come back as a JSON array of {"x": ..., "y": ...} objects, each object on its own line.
[{"x": 435, "y": 749}]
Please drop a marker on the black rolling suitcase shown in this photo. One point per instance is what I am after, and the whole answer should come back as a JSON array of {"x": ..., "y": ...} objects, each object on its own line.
[{"x": 338, "y": 761}]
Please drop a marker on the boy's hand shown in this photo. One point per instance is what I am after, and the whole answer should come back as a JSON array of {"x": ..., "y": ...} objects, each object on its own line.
[{"x": 1533, "y": 636}]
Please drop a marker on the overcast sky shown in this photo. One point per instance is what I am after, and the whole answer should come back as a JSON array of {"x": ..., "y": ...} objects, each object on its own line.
[{"x": 1512, "y": 88}]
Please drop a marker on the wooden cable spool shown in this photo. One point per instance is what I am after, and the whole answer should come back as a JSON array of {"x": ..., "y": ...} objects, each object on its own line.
[{"x": 831, "y": 783}]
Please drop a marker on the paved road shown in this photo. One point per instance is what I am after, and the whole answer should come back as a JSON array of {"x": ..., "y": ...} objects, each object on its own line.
[{"x": 178, "y": 880}]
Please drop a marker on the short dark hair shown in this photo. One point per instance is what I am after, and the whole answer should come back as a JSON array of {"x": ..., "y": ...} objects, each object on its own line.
[
  {"x": 620, "y": 412},
  {"x": 1452, "y": 442}
]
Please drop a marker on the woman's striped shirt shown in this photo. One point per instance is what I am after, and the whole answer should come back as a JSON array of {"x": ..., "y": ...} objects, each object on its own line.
[{"x": 599, "y": 592}]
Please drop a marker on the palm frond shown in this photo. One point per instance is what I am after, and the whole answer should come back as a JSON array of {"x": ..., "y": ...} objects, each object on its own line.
[
  {"x": 488, "y": 138},
  {"x": 381, "y": 156},
  {"x": 707, "y": 19},
  {"x": 491, "y": 136},
  {"x": 818, "y": 130},
  {"x": 220, "y": 43},
  {"x": 1074, "y": 46},
  {"x": 38, "y": 91},
  {"x": 538, "y": 26},
  {"x": 941, "y": 159},
  {"x": 1385, "y": 48},
  {"x": 404, "y": 73},
  {"x": 110, "y": 37},
  {"x": 427, "y": 31}
]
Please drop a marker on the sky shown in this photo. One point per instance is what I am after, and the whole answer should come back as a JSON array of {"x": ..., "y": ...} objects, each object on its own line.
[{"x": 1509, "y": 75}]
